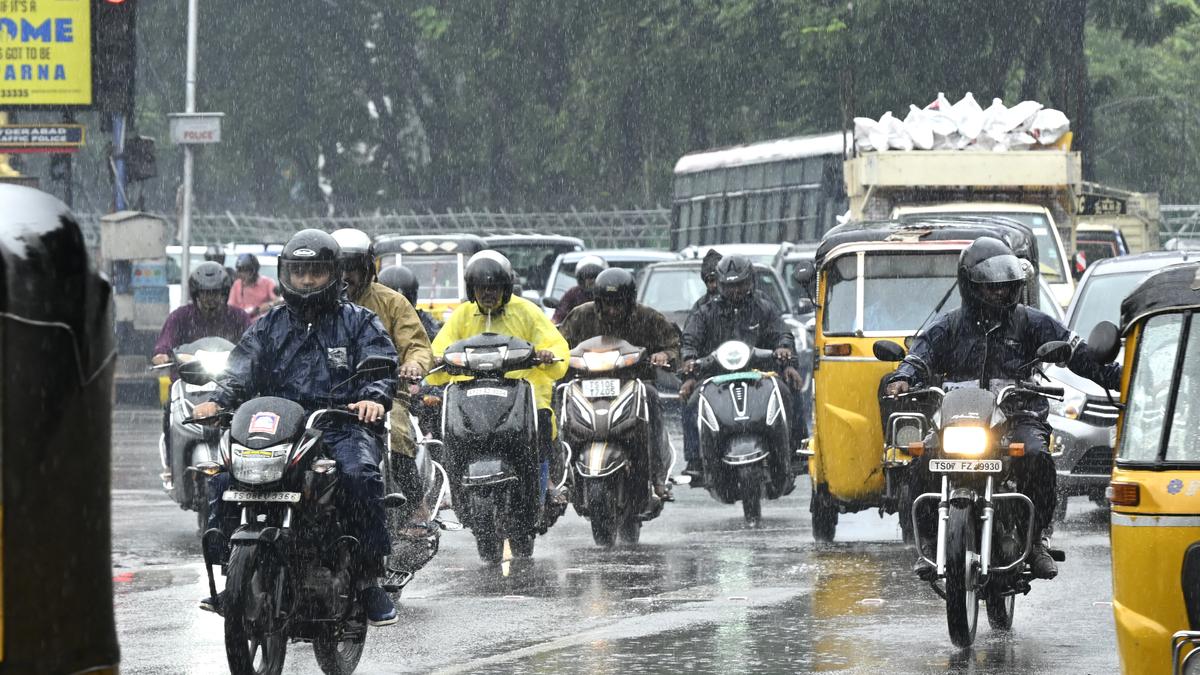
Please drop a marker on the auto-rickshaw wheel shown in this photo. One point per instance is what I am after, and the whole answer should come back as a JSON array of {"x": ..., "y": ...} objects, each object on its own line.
[{"x": 824, "y": 514}]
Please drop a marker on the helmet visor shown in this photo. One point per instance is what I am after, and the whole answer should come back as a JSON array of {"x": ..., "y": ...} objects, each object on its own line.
[
  {"x": 1004, "y": 294},
  {"x": 997, "y": 270},
  {"x": 306, "y": 276}
]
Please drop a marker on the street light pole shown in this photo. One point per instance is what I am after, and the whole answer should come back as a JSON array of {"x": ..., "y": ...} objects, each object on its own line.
[{"x": 185, "y": 218}]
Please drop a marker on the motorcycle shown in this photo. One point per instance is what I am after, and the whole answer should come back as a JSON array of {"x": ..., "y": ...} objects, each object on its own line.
[
  {"x": 605, "y": 415},
  {"x": 291, "y": 573},
  {"x": 744, "y": 428},
  {"x": 985, "y": 527},
  {"x": 191, "y": 444},
  {"x": 490, "y": 444}
]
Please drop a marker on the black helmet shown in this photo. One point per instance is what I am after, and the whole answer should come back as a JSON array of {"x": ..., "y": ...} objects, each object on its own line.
[
  {"x": 615, "y": 285},
  {"x": 734, "y": 269},
  {"x": 708, "y": 267},
  {"x": 312, "y": 250},
  {"x": 489, "y": 268},
  {"x": 990, "y": 275},
  {"x": 589, "y": 267},
  {"x": 214, "y": 254},
  {"x": 247, "y": 261},
  {"x": 401, "y": 279},
  {"x": 358, "y": 251},
  {"x": 208, "y": 276}
]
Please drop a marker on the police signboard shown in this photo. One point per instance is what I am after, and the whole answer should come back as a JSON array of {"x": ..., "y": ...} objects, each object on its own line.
[
  {"x": 41, "y": 137},
  {"x": 188, "y": 128},
  {"x": 45, "y": 53}
]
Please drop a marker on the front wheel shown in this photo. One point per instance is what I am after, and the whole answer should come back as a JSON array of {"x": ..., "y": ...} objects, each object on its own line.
[
  {"x": 904, "y": 510},
  {"x": 255, "y": 635},
  {"x": 824, "y": 514},
  {"x": 338, "y": 654},
  {"x": 962, "y": 576},
  {"x": 484, "y": 526},
  {"x": 602, "y": 511},
  {"x": 750, "y": 484}
]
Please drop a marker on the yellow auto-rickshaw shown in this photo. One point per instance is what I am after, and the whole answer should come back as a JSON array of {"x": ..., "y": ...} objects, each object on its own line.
[
  {"x": 878, "y": 280},
  {"x": 438, "y": 261},
  {"x": 1155, "y": 488}
]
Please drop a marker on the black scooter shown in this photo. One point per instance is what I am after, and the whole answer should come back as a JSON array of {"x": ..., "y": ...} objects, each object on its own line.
[
  {"x": 605, "y": 418},
  {"x": 744, "y": 425},
  {"x": 490, "y": 444},
  {"x": 291, "y": 574}
]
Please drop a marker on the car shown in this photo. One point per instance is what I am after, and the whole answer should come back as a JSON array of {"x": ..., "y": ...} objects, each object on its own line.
[
  {"x": 268, "y": 257},
  {"x": 673, "y": 287},
  {"x": 532, "y": 256},
  {"x": 1084, "y": 422},
  {"x": 562, "y": 274},
  {"x": 758, "y": 253},
  {"x": 1097, "y": 242}
]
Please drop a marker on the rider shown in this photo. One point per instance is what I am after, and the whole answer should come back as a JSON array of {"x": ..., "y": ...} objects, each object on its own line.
[
  {"x": 303, "y": 351},
  {"x": 585, "y": 277},
  {"x": 206, "y": 315},
  {"x": 492, "y": 308},
  {"x": 401, "y": 279},
  {"x": 708, "y": 273},
  {"x": 738, "y": 313},
  {"x": 357, "y": 260},
  {"x": 992, "y": 324},
  {"x": 251, "y": 292},
  {"x": 614, "y": 312}
]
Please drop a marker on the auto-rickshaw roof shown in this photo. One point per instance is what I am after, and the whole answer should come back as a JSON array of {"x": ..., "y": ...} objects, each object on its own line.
[
  {"x": 428, "y": 243},
  {"x": 1171, "y": 289},
  {"x": 937, "y": 228}
]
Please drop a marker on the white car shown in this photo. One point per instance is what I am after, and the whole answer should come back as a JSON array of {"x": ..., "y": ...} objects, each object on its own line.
[{"x": 268, "y": 258}]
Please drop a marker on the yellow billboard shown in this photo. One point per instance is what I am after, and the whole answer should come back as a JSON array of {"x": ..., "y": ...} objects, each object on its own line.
[{"x": 45, "y": 53}]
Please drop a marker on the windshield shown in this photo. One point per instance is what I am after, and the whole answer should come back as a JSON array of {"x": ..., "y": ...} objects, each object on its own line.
[
  {"x": 1150, "y": 388},
  {"x": 564, "y": 279},
  {"x": 438, "y": 276},
  {"x": 1100, "y": 300},
  {"x": 1051, "y": 263},
  {"x": 677, "y": 289},
  {"x": 889, "y": 302}
]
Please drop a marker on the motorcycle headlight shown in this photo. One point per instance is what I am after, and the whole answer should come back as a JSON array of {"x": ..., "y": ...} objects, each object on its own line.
[
  {"x": 733, "y": 355},
  {"x": 1072, "y": 405},
  {"x": 965, "y": 440},
  {"x": 256, "y": 467},
  {"x": 600, "y": 361},
  {"x": 213, "y": 362}
]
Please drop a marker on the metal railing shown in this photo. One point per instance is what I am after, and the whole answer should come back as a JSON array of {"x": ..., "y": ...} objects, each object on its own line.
[{"x": 634, "y": 228}]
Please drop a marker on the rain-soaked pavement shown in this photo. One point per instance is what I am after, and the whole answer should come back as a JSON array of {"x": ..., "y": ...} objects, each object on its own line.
[{"x": 700, "y": 595}]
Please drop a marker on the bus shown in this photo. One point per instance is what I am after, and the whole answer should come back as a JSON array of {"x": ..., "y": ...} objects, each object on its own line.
[{"x": 789, "y": 189}]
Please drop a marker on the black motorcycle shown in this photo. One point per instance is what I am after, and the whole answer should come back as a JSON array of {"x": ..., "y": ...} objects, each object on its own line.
[
  {"x": 490, "y": 444},
  {"x": 191, "y": 444},
  {"x": 744, "y": 427},
  {"x": 605, "y": 418},
  {"x": 985, "y": 529},
  {"x": 291, "y": 573}
]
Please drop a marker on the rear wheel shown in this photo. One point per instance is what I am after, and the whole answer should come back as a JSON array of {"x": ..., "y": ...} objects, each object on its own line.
[
  {"x": 484, "y": 527},
  {"x": 201, "y": 502},
  {"x": 1000, "y": 610},
  {"x": 751, "y": 486},
  {"x": 904, "y": 510},
  {"x": 338, "y": 653},
  {"x": 824, "y": 514},
  {"x": 522, "y": 545},
  {"x": 255, "y": 635},
  {"x": 603, "y": 513},
  {"x": 631, "y": 530},
  {"x": 962, "y": 573}
]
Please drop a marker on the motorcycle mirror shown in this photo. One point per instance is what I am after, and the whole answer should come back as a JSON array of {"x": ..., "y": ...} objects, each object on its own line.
[
  {"x": 886, "y": 350},
  {"x": 194, "y": 373},
  {"x": 376, "y": 367},
  {"x": 1054, "y": 352},
  {"x": 549, "y": 302},
  {"x": 804, "y": 275},
  {"x": 1104, "y": 342},
  {"x": 449, "y": 525}
]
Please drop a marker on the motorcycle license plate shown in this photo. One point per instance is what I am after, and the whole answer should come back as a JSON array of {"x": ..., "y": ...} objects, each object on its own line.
[
  {"x": 965, "y": 465},
  {"x": 244, "y": 496},
  {"x": 601, "y": 388}
]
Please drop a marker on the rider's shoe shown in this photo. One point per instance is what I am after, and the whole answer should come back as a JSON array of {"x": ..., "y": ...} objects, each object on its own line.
[
  {"x": 923, "y": 568},
  {"x": 214, "y": 603},
  {"x": 663, "y": 492},
  {"x": 695, "y": 471},
  {"x": 1040, "y": 562},
  {"x": 380, "y": 609}
]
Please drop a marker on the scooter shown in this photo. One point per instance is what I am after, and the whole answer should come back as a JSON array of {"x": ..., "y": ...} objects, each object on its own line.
[
  {"x": 490, "y": 435},
  {"x": 605, "y": 417},
  {"x": 985, "y": 527},
  {"x": 291, "y": 574},
  {"x": 191, "y": 444},
  {"x": 744, "y": 428}
]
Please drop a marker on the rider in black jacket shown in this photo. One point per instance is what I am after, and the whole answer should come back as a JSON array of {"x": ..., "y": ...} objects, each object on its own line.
[
  {"x": 991, "y": 326},
  {"x": 737, "y": 314}
]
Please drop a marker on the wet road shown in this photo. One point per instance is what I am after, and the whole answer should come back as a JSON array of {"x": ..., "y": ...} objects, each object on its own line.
[{"x": 700, "y": 595}]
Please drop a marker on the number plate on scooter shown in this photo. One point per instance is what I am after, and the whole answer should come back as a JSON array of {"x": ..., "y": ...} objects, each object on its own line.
[
  {"x": 244, "y": 496},
  {"x": 601, "y": 388},
  {"x": 965, "y": 465}
]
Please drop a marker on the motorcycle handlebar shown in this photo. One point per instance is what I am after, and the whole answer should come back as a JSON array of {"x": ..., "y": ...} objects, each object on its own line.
[{"x": 1045, "y": 391}]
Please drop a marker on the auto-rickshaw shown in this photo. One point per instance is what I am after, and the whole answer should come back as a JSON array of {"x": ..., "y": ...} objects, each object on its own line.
[
  {"x": 1155, "y": 488},
  {"x": 879, "y": 280},
  {"x": 438, "y": 261},
  {"x": 56, "y": 377}
]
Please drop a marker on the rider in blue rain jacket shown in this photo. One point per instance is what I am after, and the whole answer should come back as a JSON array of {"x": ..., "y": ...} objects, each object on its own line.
[
  {"x": 991, "y": 325},
  {"x": 303, "y": 351}
]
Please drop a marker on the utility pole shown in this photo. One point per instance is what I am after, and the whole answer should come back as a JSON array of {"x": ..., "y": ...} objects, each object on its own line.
[{"x": 185, "y": 219}]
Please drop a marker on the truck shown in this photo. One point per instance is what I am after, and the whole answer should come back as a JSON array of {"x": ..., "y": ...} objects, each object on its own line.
[
  {"x": 1040, "y": 188},
  {"x": 1120, "y": 218}
]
